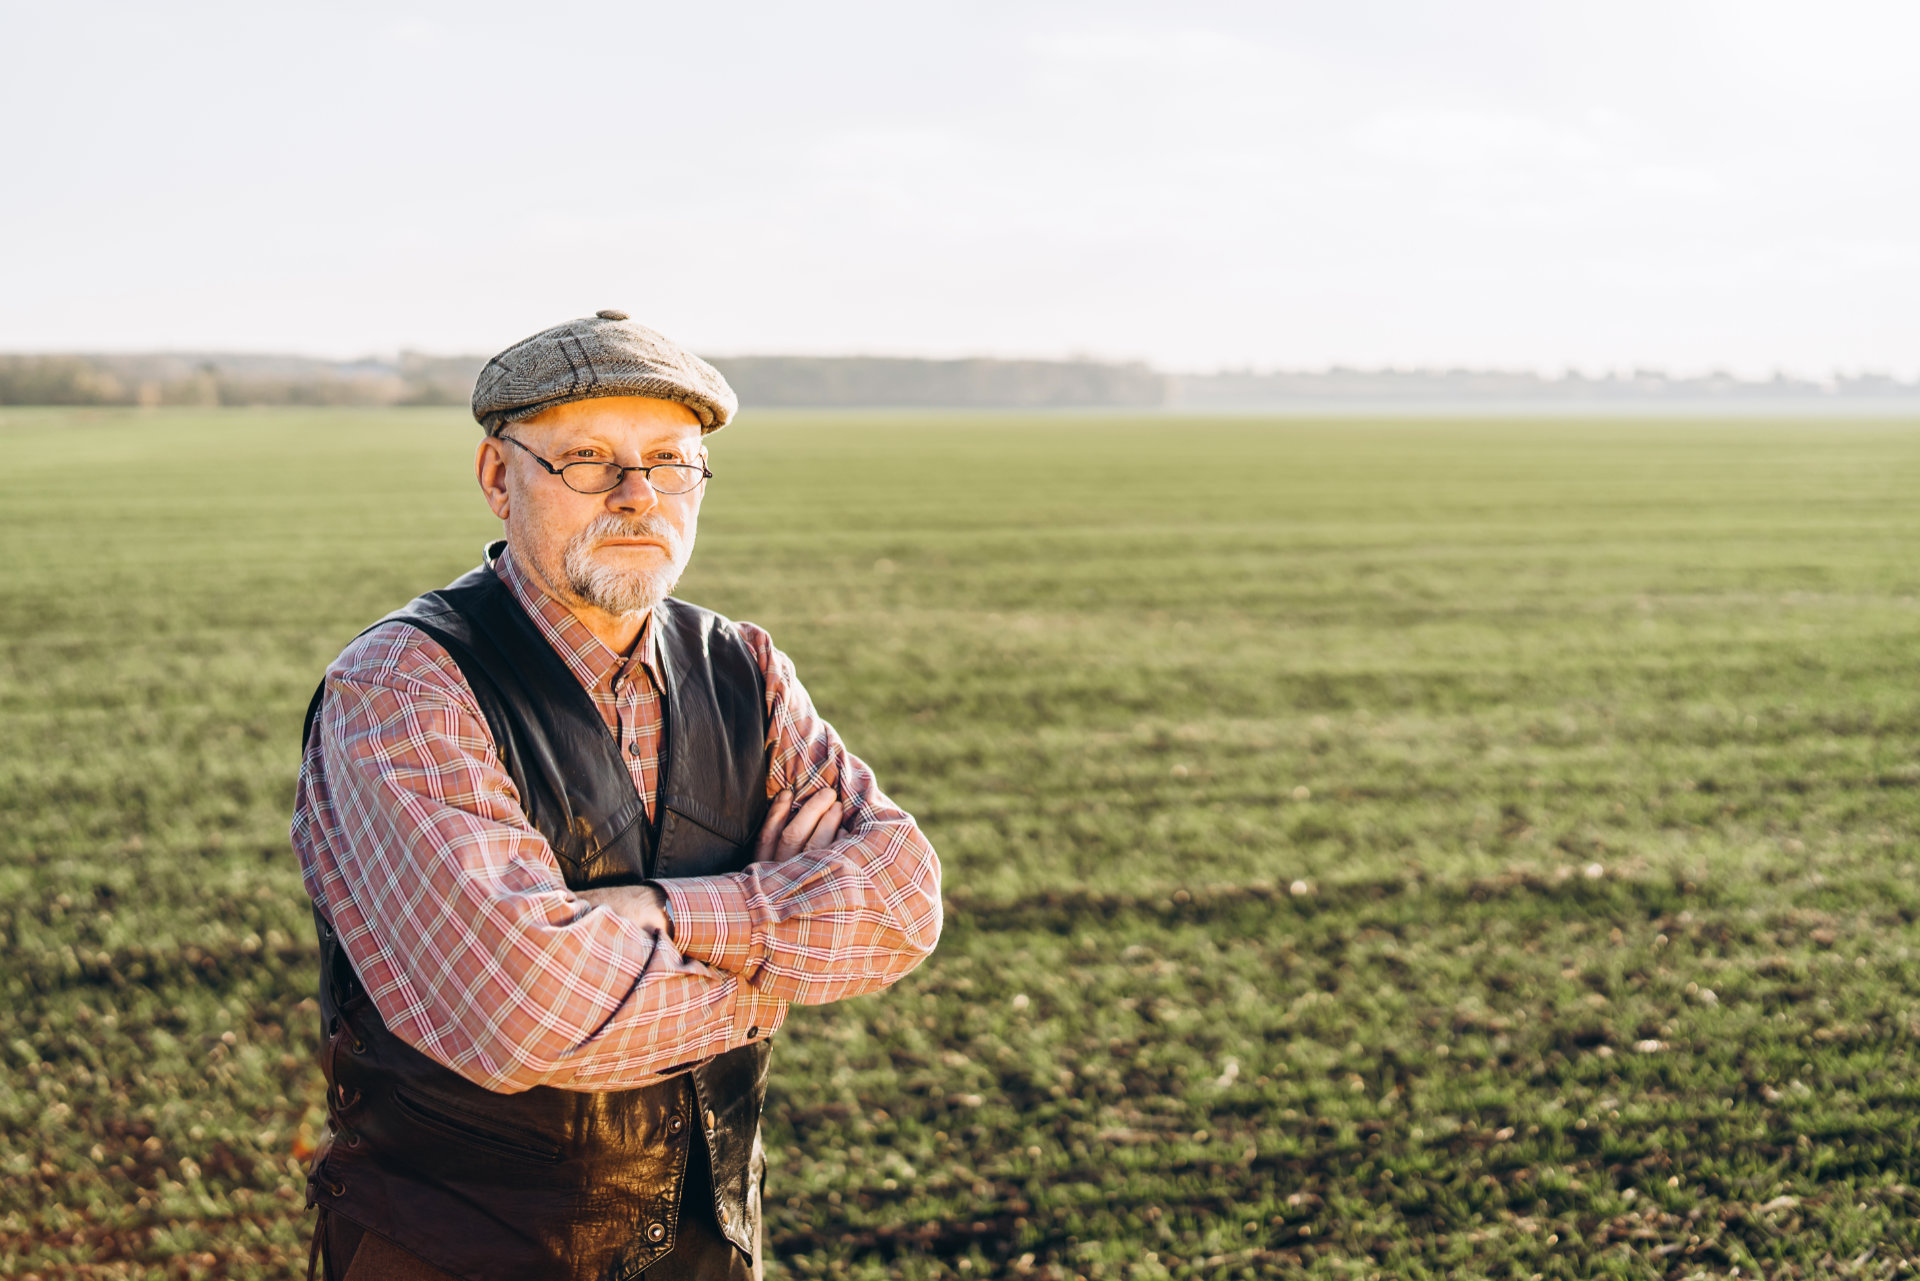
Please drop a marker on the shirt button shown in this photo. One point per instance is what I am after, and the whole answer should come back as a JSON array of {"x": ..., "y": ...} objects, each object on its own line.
[
  {"x": 634, "y": 747},
  {"x": 753, "y": 1033}
]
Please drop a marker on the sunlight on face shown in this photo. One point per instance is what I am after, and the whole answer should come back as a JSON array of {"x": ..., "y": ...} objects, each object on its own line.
[{"x": 621, "y": 552}]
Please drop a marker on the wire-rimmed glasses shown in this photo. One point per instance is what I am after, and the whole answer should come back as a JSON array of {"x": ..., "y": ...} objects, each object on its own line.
[{"x": 601, "y": 478}]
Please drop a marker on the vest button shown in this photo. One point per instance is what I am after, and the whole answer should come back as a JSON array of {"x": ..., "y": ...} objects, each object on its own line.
[
  {"x": 723, "y": 1216},
  {"x": 676, "y": 1125},
  {"x": 656, "y": 1231},
  {"x": 709, "y": 1120}
]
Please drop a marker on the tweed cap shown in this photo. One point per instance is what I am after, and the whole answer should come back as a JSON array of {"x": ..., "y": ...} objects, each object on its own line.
[{"x": 605, "y": 354}]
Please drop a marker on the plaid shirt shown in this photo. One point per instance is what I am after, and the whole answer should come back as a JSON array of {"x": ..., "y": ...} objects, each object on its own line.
[{"x": 454, "y": 913}]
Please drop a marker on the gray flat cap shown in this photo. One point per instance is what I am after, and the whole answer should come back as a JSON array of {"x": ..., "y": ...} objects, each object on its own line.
[{"x": 603, "y": 355}]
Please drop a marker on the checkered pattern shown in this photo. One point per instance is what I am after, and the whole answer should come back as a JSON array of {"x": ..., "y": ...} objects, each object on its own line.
[
  {"x": 608, "y": 354},
  {"x": 458, "y": 922}
]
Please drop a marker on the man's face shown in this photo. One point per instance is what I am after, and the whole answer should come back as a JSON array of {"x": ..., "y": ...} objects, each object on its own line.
[{"x": 618, "y": 553}]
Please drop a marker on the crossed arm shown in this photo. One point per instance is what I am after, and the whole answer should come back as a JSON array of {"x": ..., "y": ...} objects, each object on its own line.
[
  {"x": 454, "y": 913},
  {"x": 788, "y": 832}
]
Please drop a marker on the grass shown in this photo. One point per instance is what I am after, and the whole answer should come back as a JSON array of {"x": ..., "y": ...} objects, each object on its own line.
[{"x": 1410, "y": 848}]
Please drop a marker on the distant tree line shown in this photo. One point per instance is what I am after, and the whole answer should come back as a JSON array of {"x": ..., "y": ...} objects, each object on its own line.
[
  {"x": 215, "y": 379},
  {"x": 851, "y": 381},
  {"x": 877, "y": 381},
  {"x": 1249, "y": 389}
]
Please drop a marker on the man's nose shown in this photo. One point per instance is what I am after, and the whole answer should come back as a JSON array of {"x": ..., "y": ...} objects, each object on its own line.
[{"x": 633, "y": 494}]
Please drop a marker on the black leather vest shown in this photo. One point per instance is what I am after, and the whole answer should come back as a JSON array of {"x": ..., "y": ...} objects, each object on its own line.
[{"x": 551, "y": 1183}]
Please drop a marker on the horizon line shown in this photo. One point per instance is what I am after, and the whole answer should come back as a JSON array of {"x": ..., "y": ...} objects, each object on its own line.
[{"x": 1565, "y": 373}]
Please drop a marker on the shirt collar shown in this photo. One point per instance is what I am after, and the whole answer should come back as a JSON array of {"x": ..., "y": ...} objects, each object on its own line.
[{"x": 591, "y": 662}]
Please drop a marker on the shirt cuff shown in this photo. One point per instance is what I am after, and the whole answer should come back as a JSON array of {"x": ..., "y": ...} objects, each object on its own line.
[
  {"x": 710, "y": 921},
  {"x": 756, "y": 1017}
]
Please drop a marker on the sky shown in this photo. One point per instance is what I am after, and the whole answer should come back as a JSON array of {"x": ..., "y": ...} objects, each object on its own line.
[{"x": 1684, "y": 184}]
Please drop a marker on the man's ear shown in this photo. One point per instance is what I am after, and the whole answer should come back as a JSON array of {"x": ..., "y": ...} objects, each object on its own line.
[{"x": 490, "y": 469}]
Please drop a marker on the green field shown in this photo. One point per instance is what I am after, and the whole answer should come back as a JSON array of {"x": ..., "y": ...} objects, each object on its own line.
[{"x": 1403, "y": 848}]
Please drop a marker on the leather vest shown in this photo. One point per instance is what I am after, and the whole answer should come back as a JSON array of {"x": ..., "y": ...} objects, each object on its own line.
[{"x": 552, "y": 1183}]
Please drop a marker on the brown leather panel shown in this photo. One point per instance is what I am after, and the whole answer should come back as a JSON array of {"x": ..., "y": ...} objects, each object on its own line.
[
  {"x": 379, "y": 1259},
  {"x": 700, "y": 1252},
  {"x": 349, "y": 1252},
  {"x": 352, "y": 1253}
]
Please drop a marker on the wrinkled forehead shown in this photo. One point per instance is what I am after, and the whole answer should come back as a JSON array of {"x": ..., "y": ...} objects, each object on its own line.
[{"x": 636, "y": 422}]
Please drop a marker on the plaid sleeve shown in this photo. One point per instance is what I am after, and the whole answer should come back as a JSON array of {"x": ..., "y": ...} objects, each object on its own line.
[
  {"x": 454, "y": 912},
  {"x": 849, "y": 918}
]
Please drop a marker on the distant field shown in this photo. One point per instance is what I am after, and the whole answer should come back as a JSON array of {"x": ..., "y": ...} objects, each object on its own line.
[{"x": 1409, "y": 848}]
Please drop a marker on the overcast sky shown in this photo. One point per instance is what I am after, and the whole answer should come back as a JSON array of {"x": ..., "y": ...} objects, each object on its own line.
[{"x": 1680, "y": 183}]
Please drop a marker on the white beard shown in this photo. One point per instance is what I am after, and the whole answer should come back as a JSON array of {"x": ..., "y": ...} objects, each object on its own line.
[{"x": 624, "y": 591}]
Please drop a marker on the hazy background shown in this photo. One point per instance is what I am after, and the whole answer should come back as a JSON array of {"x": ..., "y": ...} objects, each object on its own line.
[
  {"x": 1376, "y": 842},
  {"x": 1678, "y": 184}
]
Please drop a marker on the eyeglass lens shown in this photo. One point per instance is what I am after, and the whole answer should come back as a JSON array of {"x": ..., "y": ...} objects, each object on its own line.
[{"x": 598, "y": 478}]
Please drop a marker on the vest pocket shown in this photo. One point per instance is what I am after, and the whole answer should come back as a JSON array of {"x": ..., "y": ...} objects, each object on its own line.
[
  {"x": 690, "y": 847},
  {"x": 475, "y": 1131},
  {"x": 708, "y": 819}
]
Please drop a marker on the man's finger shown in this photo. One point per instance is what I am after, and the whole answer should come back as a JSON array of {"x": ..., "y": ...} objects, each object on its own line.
[
  {"x": 828, "y": 828},
  {"x": 801, "y": 825},
  {"x": 777, "y": 810}
]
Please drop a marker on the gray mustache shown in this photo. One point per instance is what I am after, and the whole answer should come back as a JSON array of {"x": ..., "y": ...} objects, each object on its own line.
[{"x": 611, "y": 526}]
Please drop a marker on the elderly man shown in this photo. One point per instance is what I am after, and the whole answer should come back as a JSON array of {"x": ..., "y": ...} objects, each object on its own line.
[{"x": 573, "y": 847}]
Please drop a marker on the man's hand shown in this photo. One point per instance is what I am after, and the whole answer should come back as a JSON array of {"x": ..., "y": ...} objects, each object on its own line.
[
  {"x": 642, "y": 905},
  {"x": 790, "y": 832}
]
